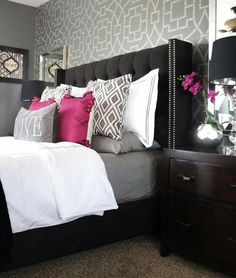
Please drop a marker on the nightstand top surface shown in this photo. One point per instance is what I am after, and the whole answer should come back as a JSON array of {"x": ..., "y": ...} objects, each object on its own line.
[{"x": 194, "y": 153}]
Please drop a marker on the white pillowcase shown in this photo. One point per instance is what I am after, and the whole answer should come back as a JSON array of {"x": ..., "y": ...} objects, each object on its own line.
[
  {"x": 139, "y": 117},
  {"x": 79, "y": 92}
]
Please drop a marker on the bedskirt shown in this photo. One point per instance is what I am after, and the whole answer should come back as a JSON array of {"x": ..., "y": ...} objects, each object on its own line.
[
  {"x": 131, "y": 219},
  {"x": 5, "y": 230}
]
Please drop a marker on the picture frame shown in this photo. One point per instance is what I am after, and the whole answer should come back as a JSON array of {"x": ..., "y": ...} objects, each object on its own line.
[
  {"x": 49, "y": 62},
  {"x": 13, "y": 64}
]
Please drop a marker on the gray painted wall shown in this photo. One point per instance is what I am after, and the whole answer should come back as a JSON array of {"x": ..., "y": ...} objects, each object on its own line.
[
  {"x": 9, "y": 106},
  {"x": 17, "y": 29},
  {"x": 104, "y": 28}
]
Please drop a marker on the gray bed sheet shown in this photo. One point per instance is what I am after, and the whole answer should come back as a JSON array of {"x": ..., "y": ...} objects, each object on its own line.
[{"x": 133, "y": 175}]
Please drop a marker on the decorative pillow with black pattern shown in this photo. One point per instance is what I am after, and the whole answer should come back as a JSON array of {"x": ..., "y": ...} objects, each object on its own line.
[{"x": 111, "y": 99}]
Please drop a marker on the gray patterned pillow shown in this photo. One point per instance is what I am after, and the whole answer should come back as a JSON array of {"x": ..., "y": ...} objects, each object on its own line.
[
  {"x": 111, "y": 98},
  {"x": 37, "y": 125}
]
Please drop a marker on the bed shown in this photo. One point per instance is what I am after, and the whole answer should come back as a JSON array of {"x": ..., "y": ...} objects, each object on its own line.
[{"x": 139, "y": 210}]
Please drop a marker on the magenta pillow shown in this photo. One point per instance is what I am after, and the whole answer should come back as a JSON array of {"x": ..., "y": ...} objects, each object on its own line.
[
  {"x": 36, "y": 104},
  {"x": 73, "y": 118}
]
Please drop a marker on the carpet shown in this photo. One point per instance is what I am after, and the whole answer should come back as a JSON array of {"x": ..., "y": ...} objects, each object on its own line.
[{"x": 134, "y": 258}]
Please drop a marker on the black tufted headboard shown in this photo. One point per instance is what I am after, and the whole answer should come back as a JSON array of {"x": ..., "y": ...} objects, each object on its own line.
[{"x": 172, "y": 59}]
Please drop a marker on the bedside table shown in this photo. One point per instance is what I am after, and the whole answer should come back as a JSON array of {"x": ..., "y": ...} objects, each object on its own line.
[{"x": 199, "y": 207}]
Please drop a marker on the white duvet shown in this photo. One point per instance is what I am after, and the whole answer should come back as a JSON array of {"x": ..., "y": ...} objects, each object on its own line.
[{"x": 47, "y": 184}]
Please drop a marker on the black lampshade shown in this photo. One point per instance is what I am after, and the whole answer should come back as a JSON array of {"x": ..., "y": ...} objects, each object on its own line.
[
  {"x": 222, "y": 68},
  {"x": 31, "y": 88}
]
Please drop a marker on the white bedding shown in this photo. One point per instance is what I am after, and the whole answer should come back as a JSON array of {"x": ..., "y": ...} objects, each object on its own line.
[{"x": 47, "y": 184}]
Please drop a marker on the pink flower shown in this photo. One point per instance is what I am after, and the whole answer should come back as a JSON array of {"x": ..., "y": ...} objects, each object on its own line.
[
  {"x": 195, "y": 88},
  {"x": 212, "y": 95},
  {"x": 188, "y": 81},
  {"x": 193, "y": 74}
]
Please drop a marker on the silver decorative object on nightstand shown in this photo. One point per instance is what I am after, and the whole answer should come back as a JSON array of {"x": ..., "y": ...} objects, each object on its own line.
[{"x": 208, "y": 135}]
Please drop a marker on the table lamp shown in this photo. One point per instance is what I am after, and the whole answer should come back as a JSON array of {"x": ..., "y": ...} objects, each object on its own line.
[{"x": 222, "y": 71}]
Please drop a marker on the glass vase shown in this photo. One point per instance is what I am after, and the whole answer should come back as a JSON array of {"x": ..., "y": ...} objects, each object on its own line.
[{"x": 208, "y": 136}]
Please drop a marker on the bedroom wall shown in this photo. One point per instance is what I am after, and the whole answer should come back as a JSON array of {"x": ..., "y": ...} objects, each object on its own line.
[
  {"x": 17, "y": 29},
  {"x": 104, "y": 28}
]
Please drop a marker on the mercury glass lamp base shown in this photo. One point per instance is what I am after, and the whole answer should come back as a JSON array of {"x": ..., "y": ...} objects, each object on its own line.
[{"x": 229, "y": 150}]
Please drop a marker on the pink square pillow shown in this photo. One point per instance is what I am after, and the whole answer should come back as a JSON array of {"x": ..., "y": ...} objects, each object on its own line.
[
  {"x": 37, "y": 104},
  {"x": 73, "y": 118}
]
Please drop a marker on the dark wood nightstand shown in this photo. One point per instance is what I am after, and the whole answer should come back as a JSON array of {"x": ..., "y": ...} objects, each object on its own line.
[{"x": 199, "y": 207}]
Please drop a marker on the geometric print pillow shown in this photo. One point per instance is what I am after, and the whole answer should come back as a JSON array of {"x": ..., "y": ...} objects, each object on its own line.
[{"x": 111, "y": 99}]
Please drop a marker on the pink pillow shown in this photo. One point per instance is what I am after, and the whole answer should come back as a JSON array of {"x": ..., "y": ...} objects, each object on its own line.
[
  {"x": 36, "y": 104},
  {"x": 74, "y": 117}
]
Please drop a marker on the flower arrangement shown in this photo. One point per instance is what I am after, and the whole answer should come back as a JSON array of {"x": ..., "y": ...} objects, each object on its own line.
[{"x": 193, "y": 84}]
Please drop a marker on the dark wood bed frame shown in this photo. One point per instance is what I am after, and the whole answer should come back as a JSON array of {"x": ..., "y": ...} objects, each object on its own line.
[{"x": 171, "y": 128}]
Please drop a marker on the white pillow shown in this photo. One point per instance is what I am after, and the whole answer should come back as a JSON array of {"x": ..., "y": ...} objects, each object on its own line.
[
  {"x": 139, "y": 117},
  {"x": 79, "y": 92}
]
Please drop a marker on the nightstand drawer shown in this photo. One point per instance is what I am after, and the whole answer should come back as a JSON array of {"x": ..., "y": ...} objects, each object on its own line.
[
  {"x": 203, "y": 179},
  {"x": 206, "y": 230}
]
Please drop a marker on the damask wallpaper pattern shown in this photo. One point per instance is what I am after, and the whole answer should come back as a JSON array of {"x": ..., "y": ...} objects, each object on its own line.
[{"x": 97, "y": 29}]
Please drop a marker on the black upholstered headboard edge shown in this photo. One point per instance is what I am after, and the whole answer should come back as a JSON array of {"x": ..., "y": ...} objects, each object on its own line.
[{"x": 173, "y": 112}]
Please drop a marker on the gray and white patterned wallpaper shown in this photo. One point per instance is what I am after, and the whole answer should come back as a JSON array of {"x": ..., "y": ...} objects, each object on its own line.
[{"x": 97, "y": 29}]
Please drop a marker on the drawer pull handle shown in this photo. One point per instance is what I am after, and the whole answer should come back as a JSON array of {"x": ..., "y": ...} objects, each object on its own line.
[
  {"x": 186, "y": 178},
  {"x": 232, "y": 186},
  {"x": 186, "y": 225}
]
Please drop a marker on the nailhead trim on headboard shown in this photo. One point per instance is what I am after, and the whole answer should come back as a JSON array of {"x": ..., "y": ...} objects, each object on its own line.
[
  {"x": 180, "y": 103},
  {"x": 174, "y": 92},
  {"x": 170, "y": 94}
]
